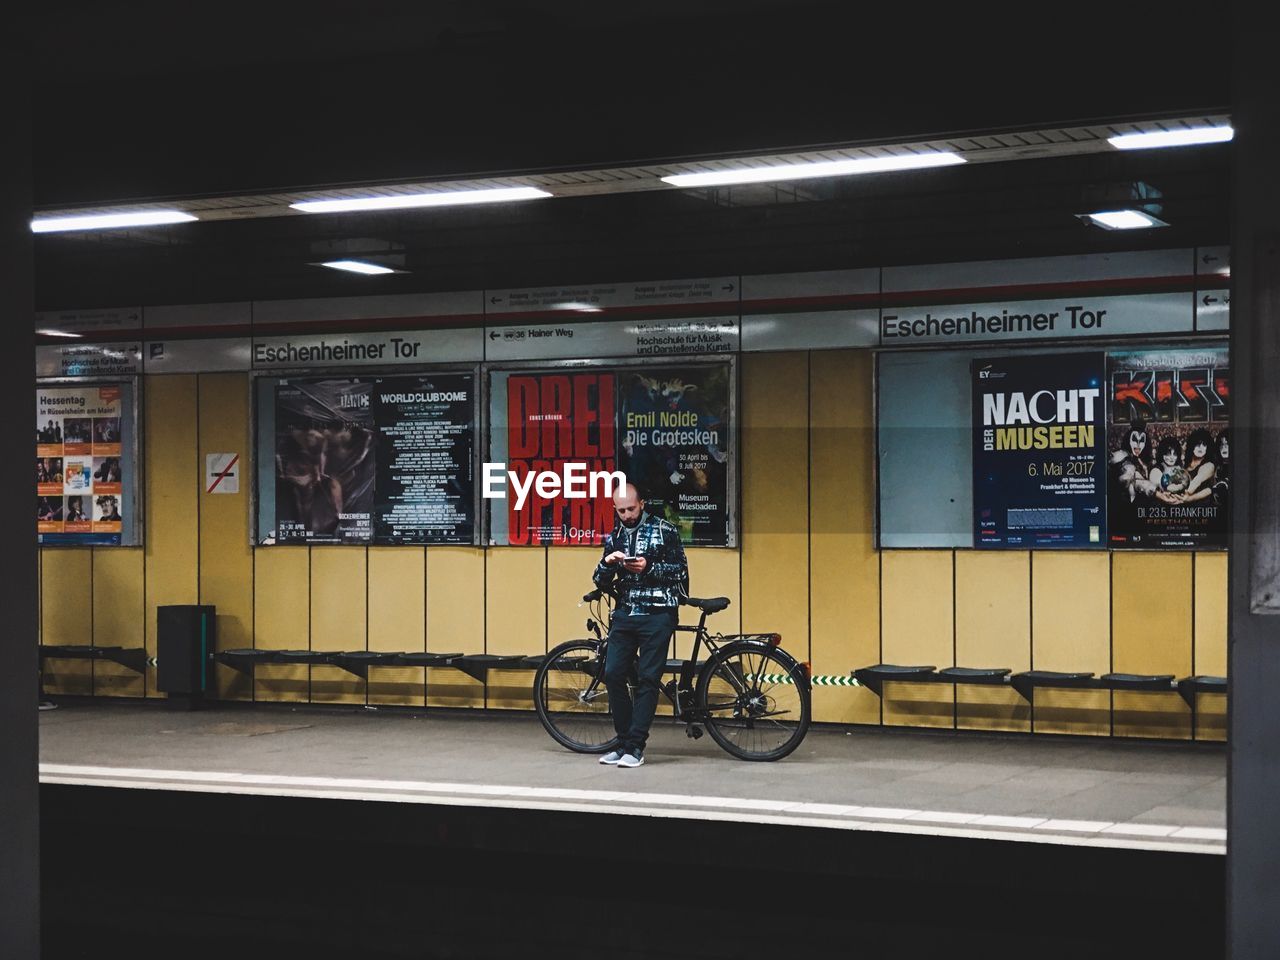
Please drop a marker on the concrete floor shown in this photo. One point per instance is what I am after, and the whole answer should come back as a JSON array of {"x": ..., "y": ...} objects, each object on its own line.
[{"x": 1094, "y": 791}]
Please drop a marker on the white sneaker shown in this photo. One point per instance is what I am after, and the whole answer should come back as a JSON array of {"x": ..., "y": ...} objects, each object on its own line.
[
  {"x": 612, "y": 757},
  {"x": 631, "y": 760}
]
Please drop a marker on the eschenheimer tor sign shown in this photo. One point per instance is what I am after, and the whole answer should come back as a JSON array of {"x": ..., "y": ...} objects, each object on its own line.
[
  {"x": 367, "y": 349},
  {"x": 1119, "y": 315},
  {"x": 1077, "y": 316},
  {"x": 324, "y": 351}
]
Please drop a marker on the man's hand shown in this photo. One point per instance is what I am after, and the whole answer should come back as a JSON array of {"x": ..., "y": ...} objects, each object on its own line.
[
  {"x": 614, "y": 558},
  {"x": 637, "y": 565}
]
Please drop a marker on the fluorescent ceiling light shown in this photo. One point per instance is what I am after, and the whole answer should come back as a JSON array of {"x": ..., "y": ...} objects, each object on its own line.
[
  {"x": 412, "y": 200},
  {"x": 1172, "y": 138},
  {"x": 58, "y": 333},
  {"x": 1123, "y": 220},
  {"x": 803, "y": 171},
  {"x": 357, "y": 266},
  {"x": 110, "y": 221}
]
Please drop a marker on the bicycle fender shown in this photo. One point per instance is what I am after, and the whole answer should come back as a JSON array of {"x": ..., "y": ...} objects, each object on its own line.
[{"x": 745, "y": 643}]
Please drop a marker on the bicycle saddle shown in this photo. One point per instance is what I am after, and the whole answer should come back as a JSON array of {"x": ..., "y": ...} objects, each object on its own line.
[{"x": 713, "y": 605}]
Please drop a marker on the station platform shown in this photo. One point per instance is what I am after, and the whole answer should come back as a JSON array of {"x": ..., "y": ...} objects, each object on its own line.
[{"x": 1103, "y": 793}]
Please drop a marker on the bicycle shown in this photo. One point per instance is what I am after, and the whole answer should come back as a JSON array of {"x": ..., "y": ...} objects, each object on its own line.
[{"x": 752, "y": 696}]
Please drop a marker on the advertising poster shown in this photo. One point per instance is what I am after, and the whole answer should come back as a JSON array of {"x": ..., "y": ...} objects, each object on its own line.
[
  {"x": 1039, "y": 443},
  {"x": 383, "y": 460},
  {"x": 666, "y": 428},
  {"x": 551, "y": 420},
  {"x": 674, "y": 443},
  {"x": 80, "y": 488},
  {"x": 424, "y": 488},
  {"x": 325, "y": 461},
  {"x": 1169, "y": 448}
]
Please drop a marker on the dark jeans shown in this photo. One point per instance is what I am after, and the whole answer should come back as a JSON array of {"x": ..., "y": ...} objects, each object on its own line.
[{"x": 645, "y": 636}]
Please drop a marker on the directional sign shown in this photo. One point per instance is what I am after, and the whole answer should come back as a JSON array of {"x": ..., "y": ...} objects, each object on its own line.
[
  {"x": 222, "y": 473},
  {"x": 612, "y": 339},
  {"x": 603, "y": 297},
  {"x": 88, "y": 359},
  {"x": 1213, "y": 288},
  {"x": 70, "y": 322}
]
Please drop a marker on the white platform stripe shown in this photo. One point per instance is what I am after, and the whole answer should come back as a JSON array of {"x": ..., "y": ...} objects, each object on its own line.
[{"x": 1078, "y": 832}]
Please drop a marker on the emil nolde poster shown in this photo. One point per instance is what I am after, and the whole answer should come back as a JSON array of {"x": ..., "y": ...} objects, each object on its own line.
[
  {"x": 667, "y": 428},
  {"x": 1038, "y": 432}
]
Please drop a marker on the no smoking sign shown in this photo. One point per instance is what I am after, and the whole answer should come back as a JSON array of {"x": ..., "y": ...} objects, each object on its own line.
[{"x": 222, "y": 473}]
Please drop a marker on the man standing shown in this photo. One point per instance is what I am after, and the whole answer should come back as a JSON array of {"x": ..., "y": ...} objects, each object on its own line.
[{"x": 645, "y": 564}]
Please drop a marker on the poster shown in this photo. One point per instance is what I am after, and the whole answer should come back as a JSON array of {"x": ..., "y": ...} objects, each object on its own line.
[
  {"x": 424, "y": 488},
  {"x": 1039, "y": 424},
  {"x": 325, "y": 461},
  {"x": 80, "y": 465},
  {"x": 551, "y": 420},
  {"x": 1169, "y": 448},
  {"x": 666, "y": 428},
  {"x": 674, "y": 443},
  {"x": 374, "y": 460}
]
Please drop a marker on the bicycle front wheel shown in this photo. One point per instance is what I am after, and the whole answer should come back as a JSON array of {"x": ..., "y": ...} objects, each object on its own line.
[
  {"x": 570, "y": 697},
  {"x": 755, "y": 703}
]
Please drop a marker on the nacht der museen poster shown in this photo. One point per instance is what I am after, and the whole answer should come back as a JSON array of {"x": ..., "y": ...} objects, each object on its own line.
[{"x": 1039, "y": 441}]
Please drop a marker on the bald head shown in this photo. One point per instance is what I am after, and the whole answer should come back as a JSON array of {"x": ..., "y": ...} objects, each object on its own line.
[{"x": 628, "y": 505}]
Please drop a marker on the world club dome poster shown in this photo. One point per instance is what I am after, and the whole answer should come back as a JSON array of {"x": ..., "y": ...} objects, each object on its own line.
[{"x": 1039, "y": 444}]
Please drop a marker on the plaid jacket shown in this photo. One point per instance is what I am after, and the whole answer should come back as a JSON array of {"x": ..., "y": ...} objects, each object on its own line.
[{"x": 664, "y": 581}]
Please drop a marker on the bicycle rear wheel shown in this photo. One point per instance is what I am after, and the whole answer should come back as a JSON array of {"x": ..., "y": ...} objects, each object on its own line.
[
  {"x": 571, "y": 699},
  {"x": 755, "y": 703}
]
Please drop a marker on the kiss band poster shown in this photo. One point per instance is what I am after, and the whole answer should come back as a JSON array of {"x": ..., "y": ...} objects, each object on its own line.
[{"x": 1169, "y": 448}]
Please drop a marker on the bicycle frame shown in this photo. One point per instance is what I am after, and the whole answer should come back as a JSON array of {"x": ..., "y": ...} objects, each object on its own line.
[{"x": 685, "y": 681}]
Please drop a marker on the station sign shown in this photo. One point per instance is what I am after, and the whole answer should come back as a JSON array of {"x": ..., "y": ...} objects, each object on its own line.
[
  {"x": 1059, "y": 318},
  {"x": 396, "y": 348}
]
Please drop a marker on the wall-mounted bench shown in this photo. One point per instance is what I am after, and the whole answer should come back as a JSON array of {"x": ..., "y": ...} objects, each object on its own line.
[
  {"x": 1188, "y": 687},
  {"x": 1027, "y": 682},
  {"x": 874, "y": 677},
  {"x": 358, "y": 662},
  {"x": 131, "y": 658}
]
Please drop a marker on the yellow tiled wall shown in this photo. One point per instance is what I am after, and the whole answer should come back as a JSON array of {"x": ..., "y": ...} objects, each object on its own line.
[{"x": 807, "y": 568}]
